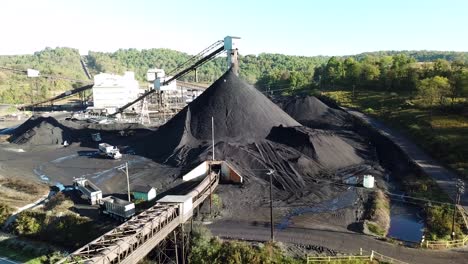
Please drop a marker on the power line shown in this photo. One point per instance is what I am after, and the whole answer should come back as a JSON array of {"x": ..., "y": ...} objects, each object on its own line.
[
  {"x": 337, "y": 183},
  {"x": 45, "y": 76}
]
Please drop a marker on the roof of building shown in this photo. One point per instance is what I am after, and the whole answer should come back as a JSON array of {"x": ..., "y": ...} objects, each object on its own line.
[
  {"x": 141, "y": 188},
  {"x": 175, "y": 199}
]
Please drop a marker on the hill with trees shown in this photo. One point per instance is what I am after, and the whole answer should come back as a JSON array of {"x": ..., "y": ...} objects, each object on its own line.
[
  {"x": 17, "y": 88},
  {"x": 268, "y": 71}
]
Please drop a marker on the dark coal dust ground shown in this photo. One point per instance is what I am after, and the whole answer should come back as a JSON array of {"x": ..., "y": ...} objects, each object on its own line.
[{"x": 316, "y": 156}]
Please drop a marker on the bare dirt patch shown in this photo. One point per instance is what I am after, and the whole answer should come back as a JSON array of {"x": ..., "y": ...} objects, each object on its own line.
[{"x": 18, "y": 192}]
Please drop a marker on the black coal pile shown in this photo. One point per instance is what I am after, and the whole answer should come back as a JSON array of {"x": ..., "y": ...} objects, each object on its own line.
[
  {"x": 311, "y": 112},
  {"x": 254, "y": 135},
  {"x": 42, "y": 131},
  {"x": 328, "y": 148},
  {"x": 240, "y": 112}
]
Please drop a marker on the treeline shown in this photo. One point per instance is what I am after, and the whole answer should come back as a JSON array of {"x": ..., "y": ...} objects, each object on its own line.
[
  {"x": 434, "y": 81},
  {"x": 383, "y": 70},
  {"x": 419, "y": 55},
  {"x": 140, "y": 61},
  {"x": 252, "y": 67}
]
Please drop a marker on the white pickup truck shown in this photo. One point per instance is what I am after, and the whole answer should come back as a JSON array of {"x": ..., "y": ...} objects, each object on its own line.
[{"x": 110, "y": 151}]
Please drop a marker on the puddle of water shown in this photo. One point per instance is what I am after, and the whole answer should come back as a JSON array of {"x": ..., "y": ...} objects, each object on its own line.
[
  {"x": 346, "y": 199},
  {"x": 405, "y": 223}
]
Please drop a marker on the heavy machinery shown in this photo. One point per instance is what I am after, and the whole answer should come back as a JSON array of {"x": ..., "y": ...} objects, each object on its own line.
[
  {"x": 117, "y": 208},
  {"x": 109, "y": 151},
  {"x": 90, "y": 191}
]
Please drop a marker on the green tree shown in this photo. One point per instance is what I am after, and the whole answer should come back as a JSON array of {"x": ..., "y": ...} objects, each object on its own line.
[
  {"x": 334, "y": 71},
  {"x": 5, "y": 212},
  {"x": 370, "y": 73},
  {"x": 459, "y": 79},
  {"x": 29, "y": 223},
  {"x": 385, "y": 78},
  {"x": 434, "y": 90},
  {"x": 353, "y": 71},
  {"x": 441, "y": 68}
]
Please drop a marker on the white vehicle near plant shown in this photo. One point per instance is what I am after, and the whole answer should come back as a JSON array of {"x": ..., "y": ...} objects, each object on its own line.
[{"x": 110, "y": 151}]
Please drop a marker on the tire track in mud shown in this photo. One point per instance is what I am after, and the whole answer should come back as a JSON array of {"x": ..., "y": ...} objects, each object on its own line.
[{"x": 98, "y": 177}]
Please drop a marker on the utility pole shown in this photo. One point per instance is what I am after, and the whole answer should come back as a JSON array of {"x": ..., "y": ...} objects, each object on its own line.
[
  {"x": 128, "y": 181},
  {"x": 460, "y": 190},
  {"x": 272, "y": 236},
  {"x": 212, "y": 136},
  {"x": 213, "y": 142}
]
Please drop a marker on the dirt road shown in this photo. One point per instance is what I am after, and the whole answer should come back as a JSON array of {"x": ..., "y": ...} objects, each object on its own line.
[
  {"x": 445, "y": 178},
  {"x": 13, "y": 216},
  {"x": 343, "y": 241}
]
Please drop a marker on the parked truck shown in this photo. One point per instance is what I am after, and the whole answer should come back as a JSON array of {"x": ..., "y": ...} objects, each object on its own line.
[
  {"x": 109, "y": 151},
  {"x": 90, "y": 191},
  {"x": 117, "y": 208}
]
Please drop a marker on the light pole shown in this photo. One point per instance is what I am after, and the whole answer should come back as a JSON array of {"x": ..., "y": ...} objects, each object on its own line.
[
  {"x": 272, "y": 236},
  {"x": 460, "y": 190}
]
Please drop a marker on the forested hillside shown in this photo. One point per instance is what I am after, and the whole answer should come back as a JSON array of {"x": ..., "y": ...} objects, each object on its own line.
[
  {"x": 420, "y": 56},
  {"x": 252, "y": 67},
  {"x": 267, "y": 71},
  {"x": 17, "y": 88}
]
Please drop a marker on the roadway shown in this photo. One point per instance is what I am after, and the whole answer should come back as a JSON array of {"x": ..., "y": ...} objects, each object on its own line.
[
  {"x": 342, "y": 241},
  {"x": 445, "y": 178}
]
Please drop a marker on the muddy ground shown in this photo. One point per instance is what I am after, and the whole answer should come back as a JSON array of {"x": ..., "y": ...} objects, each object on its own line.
[
  {"x": 54, "y": 164},
  {"x": 317, "y": 161}
]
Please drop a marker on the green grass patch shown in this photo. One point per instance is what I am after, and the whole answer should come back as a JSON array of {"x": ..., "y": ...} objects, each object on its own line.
[
  {"x": 422, "y": 186},
  {"x": 379, "y": 215},
  {"x": 375, "y": 229},
  {"x": 208, "y": 249},
  {"x": 28, "y": 252}
]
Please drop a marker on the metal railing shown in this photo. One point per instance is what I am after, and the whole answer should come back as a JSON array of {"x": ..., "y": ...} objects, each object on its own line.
[
  {"x": 336, "y": 258},
  {"x": 444, "y": 244},
  {"x": 127, "y": 243},
  {"x": 374, "y": 255}
]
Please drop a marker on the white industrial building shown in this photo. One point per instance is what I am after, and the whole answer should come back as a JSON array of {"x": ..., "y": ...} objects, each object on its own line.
[{"x": 112, "y": 91}]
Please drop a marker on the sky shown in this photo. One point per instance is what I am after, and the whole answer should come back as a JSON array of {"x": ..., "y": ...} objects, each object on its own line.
[{"x": 293, "y": 27}]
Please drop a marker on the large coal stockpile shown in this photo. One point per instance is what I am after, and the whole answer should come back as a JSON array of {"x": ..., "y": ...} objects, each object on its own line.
[
  {"x": 240, "y": 112},
  {"x": 254, "y": 135},
  {"x": 311, "y": 112},
  {"x": 42, "y": 131}
]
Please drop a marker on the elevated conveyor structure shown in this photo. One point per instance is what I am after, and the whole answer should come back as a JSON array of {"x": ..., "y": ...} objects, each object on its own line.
[
  {"x": 134, "y": 239},
  {"x": 60, "y": 96},
  {"x": 89, "y": 85},
  {"x": 227, "y": 45}
]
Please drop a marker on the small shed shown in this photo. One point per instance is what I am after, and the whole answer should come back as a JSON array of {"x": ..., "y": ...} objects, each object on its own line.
[{"x": 144, "y": 192}]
